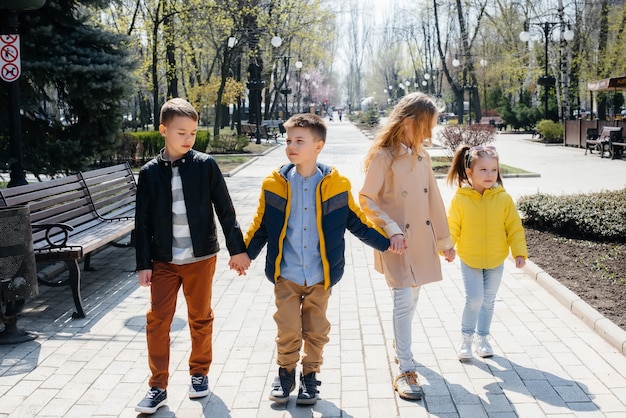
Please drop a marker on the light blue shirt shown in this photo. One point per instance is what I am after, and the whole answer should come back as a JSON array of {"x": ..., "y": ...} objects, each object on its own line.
[{"x": 302, "y": 262}]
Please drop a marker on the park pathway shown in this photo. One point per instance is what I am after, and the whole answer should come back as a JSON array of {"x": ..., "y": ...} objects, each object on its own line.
[{"x": 548, "y": 362}]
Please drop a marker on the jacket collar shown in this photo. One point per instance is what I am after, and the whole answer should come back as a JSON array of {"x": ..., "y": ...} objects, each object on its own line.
[
  {"x": 325, "y": 169},
  {"x": 184, "y": 161},
  {"x": 495, "y": 189}
]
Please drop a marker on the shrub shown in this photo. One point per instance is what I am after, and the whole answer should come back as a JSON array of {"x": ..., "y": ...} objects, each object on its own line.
[
  {"x": 228, "y": 144},
  {"x": 551, "y": 131},
  {"x": 370, "y": 117},
  {"x": 473, "y": 135},
  {"x": 150, "y": 143},
  {"x": 599, "y": 216},
  {"x": 526, "y": 116},
  {"x": 202, "y": 141}
]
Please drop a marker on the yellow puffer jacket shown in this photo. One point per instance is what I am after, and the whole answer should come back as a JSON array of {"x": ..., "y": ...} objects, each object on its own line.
[{"x": 484, "y": 227}]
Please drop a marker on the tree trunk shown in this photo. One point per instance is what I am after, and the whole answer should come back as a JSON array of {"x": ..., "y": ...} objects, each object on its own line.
[
  {"x": 156, "y": 109},
  {"x": 170, "y": 55}
]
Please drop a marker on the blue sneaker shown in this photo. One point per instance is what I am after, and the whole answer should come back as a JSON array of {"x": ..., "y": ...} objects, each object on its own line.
[
  {"x": 308, "y": 392},
  {"x": 154, "y": 399},
  {"x": 199, "y": 386},
  {"x": 283, "y": 385}
]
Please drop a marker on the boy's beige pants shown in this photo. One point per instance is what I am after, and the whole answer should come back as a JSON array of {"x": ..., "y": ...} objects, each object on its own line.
[{"x": 302, "y": 324}]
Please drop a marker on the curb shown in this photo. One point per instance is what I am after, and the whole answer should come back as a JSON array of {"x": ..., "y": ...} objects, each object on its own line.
[
  {"x": 250, "y": 161},
  {"x": 613, "y": 334},
  {"x": 240, "y": 167}
]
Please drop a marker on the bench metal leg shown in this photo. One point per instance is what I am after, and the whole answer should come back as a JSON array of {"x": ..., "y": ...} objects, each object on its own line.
[
  {"x": 87, "y": 264},
  {"x": 74, "y": 283}
]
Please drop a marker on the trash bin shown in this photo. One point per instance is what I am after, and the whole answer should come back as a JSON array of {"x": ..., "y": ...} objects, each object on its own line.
[{"x": 18, "y": 271}]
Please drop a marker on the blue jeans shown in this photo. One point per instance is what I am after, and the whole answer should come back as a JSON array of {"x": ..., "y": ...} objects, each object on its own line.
[
  {"x": 481, "y": 287},
  {"x": 404, "y": 304}
]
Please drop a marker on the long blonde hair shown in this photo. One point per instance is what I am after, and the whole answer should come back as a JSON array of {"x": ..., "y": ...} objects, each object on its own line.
[{"x": 422, "y": 109}]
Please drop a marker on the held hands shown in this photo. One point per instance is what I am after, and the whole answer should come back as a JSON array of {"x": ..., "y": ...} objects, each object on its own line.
[
  {"x": 397, "y": 244},
  {"x": 520, "y": 262},
  {"x": 449, "y": 254},
  {"x": 239, "y": 262}
]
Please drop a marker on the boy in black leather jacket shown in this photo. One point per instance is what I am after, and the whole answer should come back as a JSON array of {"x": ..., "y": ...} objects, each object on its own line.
[{"x": 178, "y": 194}]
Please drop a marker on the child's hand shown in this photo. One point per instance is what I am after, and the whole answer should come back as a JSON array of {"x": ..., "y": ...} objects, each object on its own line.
[
  {"x": 239, "y": 262},
  {"x": 145, "y": 277},
  {"x": 397, "y": 244},
  {"x": 520, "y": 262},
  {"x": 449, "y": 254},
  {"x": 240, "y": 270}
]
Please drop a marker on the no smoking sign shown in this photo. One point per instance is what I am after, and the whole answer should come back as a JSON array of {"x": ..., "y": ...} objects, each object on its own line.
[{"x": 10, "y": 67}]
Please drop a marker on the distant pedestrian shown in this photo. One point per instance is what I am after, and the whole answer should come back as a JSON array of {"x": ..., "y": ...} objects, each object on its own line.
[
  {"x": 340, "y": 114},
  {"x": 304, "y": 210},
  {"x": 400, "y": 195},
  {"x": 484, "y": 224},
  {"x": 178, "y": 193}
]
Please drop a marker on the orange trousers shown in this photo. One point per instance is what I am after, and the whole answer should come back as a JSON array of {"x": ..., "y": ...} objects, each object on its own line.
[
  {"x": 196, "y": 280},
  {"x": 301, "y": 324}
]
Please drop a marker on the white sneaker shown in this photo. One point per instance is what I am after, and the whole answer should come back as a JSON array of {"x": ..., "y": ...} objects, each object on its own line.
[
  {"x": 465, "y": 348},
  {"x": 408, "y": 386},
  {"x": 483, "y": 348}
]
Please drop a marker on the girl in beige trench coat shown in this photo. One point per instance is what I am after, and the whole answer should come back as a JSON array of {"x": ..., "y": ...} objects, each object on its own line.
[{"x": 400, "y": 195}]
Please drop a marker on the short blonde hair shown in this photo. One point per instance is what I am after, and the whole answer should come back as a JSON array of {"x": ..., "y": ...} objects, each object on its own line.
[
  {"x": 309, "y": 121},
  {"x": 177, "y": 107}
]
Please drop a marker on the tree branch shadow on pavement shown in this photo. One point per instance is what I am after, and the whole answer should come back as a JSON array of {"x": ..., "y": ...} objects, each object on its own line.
[
  {"x": 212, "y": 406},
  {"x": 553, "y": 393},
  {"x": 322, "y": 409}
]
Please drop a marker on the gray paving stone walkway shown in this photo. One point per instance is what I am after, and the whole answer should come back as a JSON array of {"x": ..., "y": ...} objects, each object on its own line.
[{"x": 549, "y": 362}]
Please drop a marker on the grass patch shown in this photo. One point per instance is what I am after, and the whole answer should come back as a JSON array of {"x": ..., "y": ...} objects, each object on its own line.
[{"x": 228, "y": 163}]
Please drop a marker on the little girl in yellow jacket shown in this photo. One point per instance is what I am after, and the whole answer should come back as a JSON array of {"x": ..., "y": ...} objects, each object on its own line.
[{"x": 484, "y": 225}]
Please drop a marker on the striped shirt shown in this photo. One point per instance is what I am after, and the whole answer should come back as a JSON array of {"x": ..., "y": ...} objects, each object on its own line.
[{"x": 182, "y": 247}]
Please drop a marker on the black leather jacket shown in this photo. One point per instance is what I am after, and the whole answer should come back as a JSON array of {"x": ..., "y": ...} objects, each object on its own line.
[{"x": 205, "y": 192}]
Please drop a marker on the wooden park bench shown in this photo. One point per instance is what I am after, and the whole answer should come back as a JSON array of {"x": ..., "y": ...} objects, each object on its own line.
[
  {"x": 602, "y": 142},
  {"x": 250, "y": 130},
  {"x": 617, "y": 144},
  {"x": 494, "y": 121},
  {"x": 275, "y": 126},
  {"x": 73, "y": 216}
]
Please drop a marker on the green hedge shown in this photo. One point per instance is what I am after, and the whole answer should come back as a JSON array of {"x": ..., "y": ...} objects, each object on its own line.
[
  {"x": 599, "y": 216},
  {"x": 228, "y": 144},
  {"x": 151, "y": 142}
]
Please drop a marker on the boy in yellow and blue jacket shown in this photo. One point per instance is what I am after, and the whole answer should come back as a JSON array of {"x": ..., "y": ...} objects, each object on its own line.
[{"x": 304, "y": 209}]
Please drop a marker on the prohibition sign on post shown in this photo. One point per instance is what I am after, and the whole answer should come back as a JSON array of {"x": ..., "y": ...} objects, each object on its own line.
[{"x": 10, "y": 66}]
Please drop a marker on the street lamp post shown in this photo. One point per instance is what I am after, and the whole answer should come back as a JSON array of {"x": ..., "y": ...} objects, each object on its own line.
[
  {"x": 460, "y": 93},
  {"x": 307, "y": 99},
  {"x": 286, "y": 91},
  {"x": 298, "y": 92},
  {"x": 483, "y": 64},
  {"x": 546, "y": 81}
]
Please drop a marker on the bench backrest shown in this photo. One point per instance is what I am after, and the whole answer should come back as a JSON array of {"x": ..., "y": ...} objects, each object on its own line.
[
  {"x": 78, "y": 200},
  {"x": 112, "y": 190},
  {"x": 607, "y": 132},
  {"x": 63, "y": 200},
  {"x": 247, "y": 128}
]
